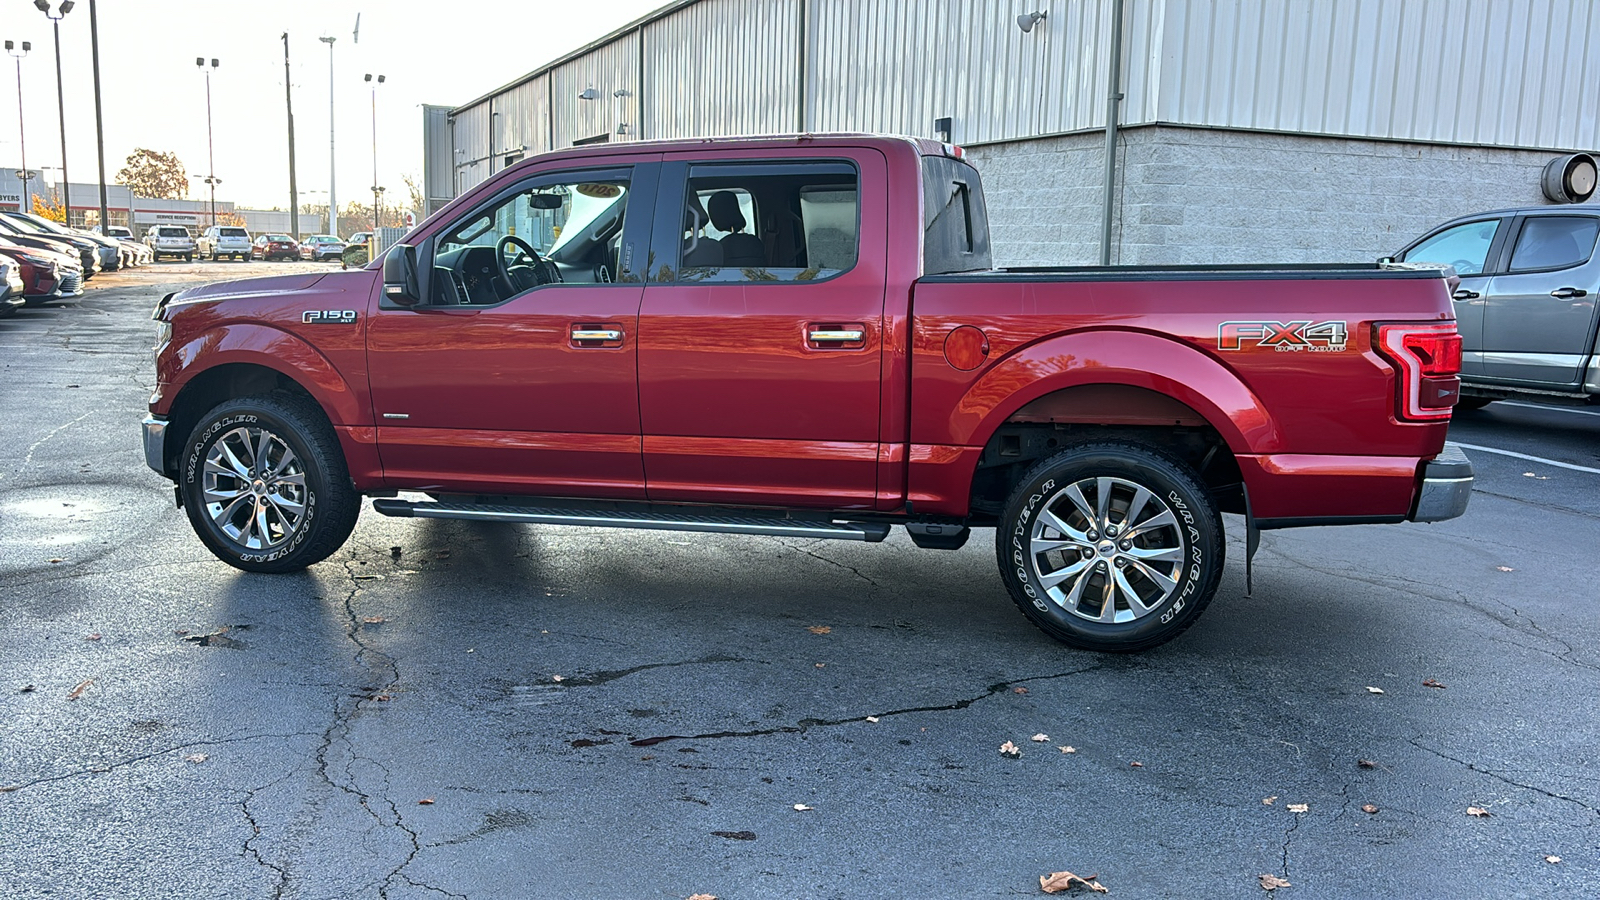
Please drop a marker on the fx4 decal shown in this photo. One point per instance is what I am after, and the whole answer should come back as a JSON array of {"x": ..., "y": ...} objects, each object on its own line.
[
  {"x": 1289, "y": 337},
  {"x": 328, "y": 317}
]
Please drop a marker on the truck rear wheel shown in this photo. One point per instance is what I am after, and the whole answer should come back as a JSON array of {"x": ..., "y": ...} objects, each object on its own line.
[
  {"x": 265, "y": 484},
  {"x": 1112, "y": 546}
]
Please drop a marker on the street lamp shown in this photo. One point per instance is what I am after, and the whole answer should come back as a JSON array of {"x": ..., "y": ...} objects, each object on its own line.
[
  {"x": 22, "y": 135},
  {"x": 333, "y": 201},
  {"x": 211, "y": 153},
  {"x": 61, "y": 101},
  {"x": 375, "y": 189}
]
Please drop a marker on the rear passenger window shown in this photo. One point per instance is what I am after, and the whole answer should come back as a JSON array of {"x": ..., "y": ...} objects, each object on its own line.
[
  {"x": 1554, "y": 242},
  {"x": 788, "y": 222}
]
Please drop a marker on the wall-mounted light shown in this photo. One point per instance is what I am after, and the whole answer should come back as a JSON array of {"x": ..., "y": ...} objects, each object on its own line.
[
  {"x": 589, "y": 93},
  {"x": 1026, "y": 21},
  {"x": 941, "y": 129}
]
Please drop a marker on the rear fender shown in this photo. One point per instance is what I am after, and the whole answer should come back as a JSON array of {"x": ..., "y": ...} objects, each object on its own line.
[{"x": 1137, "y": 359}]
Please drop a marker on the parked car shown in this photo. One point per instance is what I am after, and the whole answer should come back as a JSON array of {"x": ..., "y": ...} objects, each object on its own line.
[
  {"x": 1528, "y": 305},
  {"x": 766, "y": 339},
  {"x": 319, "y": 247},
  {"x": 111, "y": 255},
  {"x": 23, "y": 232},
  {"x": 361, "y": 237},
  {"x": 218, "y": 241},
  {"x": 10, "y": 285},
  {"x": 274, "y": 246},
  {"x": 170, "y": 240},
  {"x": 47, "y": 274},
  {"x": 142, "y": 254}
]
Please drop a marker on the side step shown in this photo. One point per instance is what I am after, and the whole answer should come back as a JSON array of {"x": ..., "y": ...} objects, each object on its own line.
[{"x": 715, "y": 521}]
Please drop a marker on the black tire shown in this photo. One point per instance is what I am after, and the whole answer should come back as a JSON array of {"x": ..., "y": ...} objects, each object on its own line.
[
  {"x": 1473, "y": 402},
  {"x": 1194, "y": 540},
  {"x": 188, "y": 257},
  {"x": 329, "y": 502}
]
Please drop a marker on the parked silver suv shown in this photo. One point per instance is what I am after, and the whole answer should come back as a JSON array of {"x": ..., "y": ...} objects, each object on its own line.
[
  {"x": 225, "y": 240},
  {"x": 170, "y": 240}
]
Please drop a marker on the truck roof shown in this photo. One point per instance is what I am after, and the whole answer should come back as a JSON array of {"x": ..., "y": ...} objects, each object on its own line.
[{"x": 923, "y": 146}]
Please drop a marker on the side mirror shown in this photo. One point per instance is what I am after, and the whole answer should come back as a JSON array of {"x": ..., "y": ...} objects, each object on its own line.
[{"x": 400, "y": 284}]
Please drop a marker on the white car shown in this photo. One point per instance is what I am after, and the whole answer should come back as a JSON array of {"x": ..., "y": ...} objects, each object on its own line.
[
  {"x": 170, "y": 240},
  {"x": 225, "y": 240}
]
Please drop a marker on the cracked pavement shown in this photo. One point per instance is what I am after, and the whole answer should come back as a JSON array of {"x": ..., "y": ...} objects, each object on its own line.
[{"x": 608, "y": 713}]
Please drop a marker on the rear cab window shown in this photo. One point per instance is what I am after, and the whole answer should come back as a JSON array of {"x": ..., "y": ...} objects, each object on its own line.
[{"x": 955, "y": 224}]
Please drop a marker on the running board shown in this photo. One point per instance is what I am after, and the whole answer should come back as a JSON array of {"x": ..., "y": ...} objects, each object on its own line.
[{"x": 714, "y": 521}]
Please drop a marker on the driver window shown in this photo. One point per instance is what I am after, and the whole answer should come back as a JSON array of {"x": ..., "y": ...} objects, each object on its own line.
[{"x": 550, "y": 231}]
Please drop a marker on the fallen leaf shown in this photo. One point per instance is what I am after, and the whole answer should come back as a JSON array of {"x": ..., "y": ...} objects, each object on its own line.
[
  {"x": 442, "y": 554},
  {"x": 822, "y": 665},
  {"x": 27, "y": 689},
  {"x": 1010, "y": 751},
  {"x": 56, "y": 559},
  {"x": 1369, "y": 809},
  {"x": 92, "y": 637},
  {"x": 1041, "y": 738},
  {"x": 78, "y": 691},
  {"x": 382, "y": 698},
  {"x": 180, "y": 631},
  {"x": 1366, "y": 764},
  {"x": 819, "y": 629},
  {"x": 1068, "y": 749},
  {"x": 702, "y": 897},
  {"x": 1273, "y": 882},
  {"x": 872, "y": 718},
  {"x": 1478, "y": 811},
  {"x": 1136, "y": 764},
  {"x": 647, "y": 757},
  {"x": 1505, "y": 568},
  {"x": 1374, "y": 690},
  {"x": 425, "y": 801},
  {"x": 1268, "y": 801},
  {"x": 1433, "y": 684},
  {"x": 1019, "y": 690},
  {"x": 1552, "y": 860},
  {"x": 1056, "y": 882},
  {"x": 558, "y": 678},
  {"x": 801, "y": 807},
  {"x": 736, "y": 835},
  {"x": 196, "y": 758},
  {"x": 8, "y": 788},
  {"x": 372, "y": 620},
  {"x": 1299, "y": 807}
]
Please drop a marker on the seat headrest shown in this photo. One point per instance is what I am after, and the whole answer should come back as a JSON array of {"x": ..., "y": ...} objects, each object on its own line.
[
  {"x": 694, "y": 214},
  {"x": 725, "y": 214}
]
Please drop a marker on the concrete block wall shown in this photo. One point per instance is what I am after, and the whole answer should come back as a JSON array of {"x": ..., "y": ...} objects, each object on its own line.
[{"x": 1212, "y": 196}]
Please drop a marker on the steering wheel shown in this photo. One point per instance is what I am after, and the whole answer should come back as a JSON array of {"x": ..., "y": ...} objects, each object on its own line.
[{"x": 517, "y": 275}]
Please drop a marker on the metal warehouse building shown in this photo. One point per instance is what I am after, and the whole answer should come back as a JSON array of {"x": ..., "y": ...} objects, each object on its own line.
[{"x": 1248, "y": 130}]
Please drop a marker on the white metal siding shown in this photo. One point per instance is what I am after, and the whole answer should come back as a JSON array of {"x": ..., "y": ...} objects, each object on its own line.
[
  {"x": 438, "y": 159},
  {"x": 522, "y": 120},
  {"x": 722, "y": 67},
  {"x": 470, "y": 132},
  {"x": 608, "y": 68},
  {"x": 1499, "y": 72}
]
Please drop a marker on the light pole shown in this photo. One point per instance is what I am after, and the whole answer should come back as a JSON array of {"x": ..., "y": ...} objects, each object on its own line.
[
  {"x": 333, "y": 203},
  {"x": 211, "y": 152},
  {"x": 22, "y": 134},
  {"x": 61, "y": 102},
  {"x": 376, "y": 191},
  {"x": 99, "y": 121},
  {"x": 288, "y": 102}
]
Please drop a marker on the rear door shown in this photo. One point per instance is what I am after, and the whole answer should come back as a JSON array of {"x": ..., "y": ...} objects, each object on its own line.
[
  {"x": 1539, "y": 314},
  {"x": 761, "y": 333},
  {"x": 1473, "y": 249}
]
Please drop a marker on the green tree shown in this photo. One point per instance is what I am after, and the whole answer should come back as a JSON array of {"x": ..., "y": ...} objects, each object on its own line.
[{"x": 153, "y": 174}]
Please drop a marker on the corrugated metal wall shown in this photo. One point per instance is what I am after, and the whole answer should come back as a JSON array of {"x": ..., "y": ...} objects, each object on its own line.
[
  {"x": 438, "y": 170},
  {"x": 470, "y": 130},
  {"x": 1501, "y": 72},
  {"x": 723, "y": 67},
  {"x": 522, "y": 120},
  {"x": 608, "y": 69}
]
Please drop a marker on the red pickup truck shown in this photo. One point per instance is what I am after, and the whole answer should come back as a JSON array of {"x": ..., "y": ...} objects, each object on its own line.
[{"x": 805, "y": 337}]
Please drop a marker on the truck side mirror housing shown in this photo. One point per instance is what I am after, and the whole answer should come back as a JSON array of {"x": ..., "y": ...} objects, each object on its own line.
[{"x": 400, "y": 276}]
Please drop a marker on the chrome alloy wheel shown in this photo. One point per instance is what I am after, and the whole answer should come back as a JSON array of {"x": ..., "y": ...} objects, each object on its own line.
[
  {"x": 1107, "y": 550},
  {"x": 254, "y": 488}
]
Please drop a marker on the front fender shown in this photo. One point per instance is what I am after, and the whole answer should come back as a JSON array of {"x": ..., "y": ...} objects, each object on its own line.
[
  {"x": 1137, "y": 359},
  {"x": 271, "y": 348}
]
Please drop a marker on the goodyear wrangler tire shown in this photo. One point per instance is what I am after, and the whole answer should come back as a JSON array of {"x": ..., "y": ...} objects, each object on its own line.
[
  {"x": 1113, "y": 546},
  {"x": 265, "y": 484}
]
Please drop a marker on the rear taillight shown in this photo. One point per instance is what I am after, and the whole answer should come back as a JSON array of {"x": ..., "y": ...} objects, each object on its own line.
[{"x": 1428, "y": 359}]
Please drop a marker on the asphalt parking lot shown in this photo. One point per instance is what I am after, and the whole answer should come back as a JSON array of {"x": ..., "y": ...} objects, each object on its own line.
[{"x": 496, "y": 711}]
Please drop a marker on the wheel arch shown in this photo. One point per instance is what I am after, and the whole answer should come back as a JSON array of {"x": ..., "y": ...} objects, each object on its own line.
[{"x": 217, "y": 384}]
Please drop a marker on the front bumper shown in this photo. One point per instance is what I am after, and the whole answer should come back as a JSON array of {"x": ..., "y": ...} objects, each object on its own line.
[
  {"x": 155, "y": 444},
  {"x": 1446, "y": 486}
]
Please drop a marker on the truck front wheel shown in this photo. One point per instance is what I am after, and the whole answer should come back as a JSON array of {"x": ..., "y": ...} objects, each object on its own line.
[
  {"x": 1113, "y": 546},
  {"x": 265, "y": 484}
]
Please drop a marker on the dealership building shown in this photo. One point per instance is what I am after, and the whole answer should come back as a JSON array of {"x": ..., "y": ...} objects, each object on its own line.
[
  {"x": 137, "y": 213},
  {"x": 1245, "y": 131}
]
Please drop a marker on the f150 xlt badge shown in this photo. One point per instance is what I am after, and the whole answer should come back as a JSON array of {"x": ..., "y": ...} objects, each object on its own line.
[
  {"x": 328, "y": 317},
  {"x": 1288, "y": 337}
]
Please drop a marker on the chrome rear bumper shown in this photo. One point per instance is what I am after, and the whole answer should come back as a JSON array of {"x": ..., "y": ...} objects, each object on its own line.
[{"x": 1446, "y": 486}]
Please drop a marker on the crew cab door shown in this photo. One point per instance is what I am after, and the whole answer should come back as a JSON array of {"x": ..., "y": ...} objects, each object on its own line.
[
  {"x": 520, "y": 375},
  {"x": 1539, "y": 314},
  {"x": 761, "y": 333}
]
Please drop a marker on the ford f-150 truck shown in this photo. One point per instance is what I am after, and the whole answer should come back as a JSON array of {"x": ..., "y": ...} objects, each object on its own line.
[{"x": 805, "y": 337}]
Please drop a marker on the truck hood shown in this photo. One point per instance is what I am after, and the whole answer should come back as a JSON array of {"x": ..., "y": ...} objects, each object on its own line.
[{"x": 276, "y": 286}]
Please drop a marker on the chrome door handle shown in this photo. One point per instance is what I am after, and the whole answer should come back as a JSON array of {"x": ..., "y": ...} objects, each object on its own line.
[
  {"x": 1464, "y": 294},
  {"x": 836, "y": 337},
  {"x": 1568, "y": 292},
  {"x": 596, "y": 335}
]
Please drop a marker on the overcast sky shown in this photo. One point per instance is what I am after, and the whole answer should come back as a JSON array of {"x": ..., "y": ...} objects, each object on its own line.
[{"x": 430, "y": 52}]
